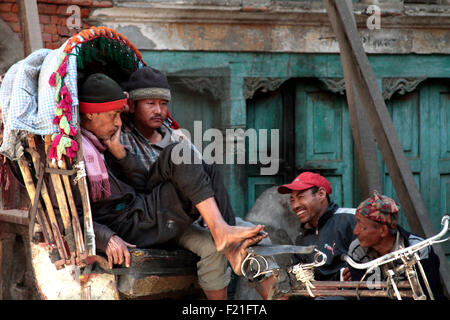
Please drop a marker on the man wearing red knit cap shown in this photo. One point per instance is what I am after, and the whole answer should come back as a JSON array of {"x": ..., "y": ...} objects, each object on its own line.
[{"x": 175, "y": 195}]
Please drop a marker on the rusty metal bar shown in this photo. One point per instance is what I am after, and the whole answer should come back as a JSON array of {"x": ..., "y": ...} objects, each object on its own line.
[
  {"x": 356, "y": 284},
  {"x": 353, "y": 289},
  {"x": 349, "y": 293},
  {"x": 344, "y": 26}
]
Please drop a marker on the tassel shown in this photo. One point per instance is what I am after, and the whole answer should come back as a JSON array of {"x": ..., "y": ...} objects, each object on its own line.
[
  {"x": 52, "y": 154},
  {"x": 58, "y": 87},
  {"x": 66, "y": 101},
  {"x": 56, "y": 138},
  {"x": 52, "y": 80},
  {"x": 71, "y": 151},
  {"x": 80, "y": 63},
  {"x": 64, "y": 125},
  {"x": 57, "y": 119},
  {"x": 74, "y": 145},
  {"x": 73, "y": 131},
  {"x": 62, "y": 145},
  {"x": 63, "y": 68},
  {"x": 68, "y": 98}
]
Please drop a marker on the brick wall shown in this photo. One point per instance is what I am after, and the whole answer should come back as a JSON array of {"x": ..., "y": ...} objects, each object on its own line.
[{"x": 52, "y": 17}]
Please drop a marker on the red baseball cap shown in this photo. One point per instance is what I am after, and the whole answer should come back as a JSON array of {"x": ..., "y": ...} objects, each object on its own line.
[{"x": 305, "y": 181}]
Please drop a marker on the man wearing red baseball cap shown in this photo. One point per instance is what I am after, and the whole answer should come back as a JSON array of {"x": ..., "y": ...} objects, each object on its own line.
[
  {"x": 322, "y": 223},
  {"x": 300, "y": 196}
]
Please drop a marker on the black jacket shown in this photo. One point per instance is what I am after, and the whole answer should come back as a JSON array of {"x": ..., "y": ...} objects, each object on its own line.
[
  {"x": 333, "y": 237},
  {"x": 144, "y": 219}
]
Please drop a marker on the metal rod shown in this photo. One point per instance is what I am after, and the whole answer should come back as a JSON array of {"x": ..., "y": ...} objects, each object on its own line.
[{"x": 347, "y": 293}]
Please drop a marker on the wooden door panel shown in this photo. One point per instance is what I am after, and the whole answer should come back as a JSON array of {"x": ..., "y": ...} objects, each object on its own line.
[
  {"x": 444, "y": 110},
  {"x": 406, "y": 114},
  {"x": 324, "y": 131},
  {"x": 264, "y": 111},
  {"x": 440, "y": 95},
  {"x": 324, "y": 142},
  {"x": 390, "y": 191},
  {"x": 421, "y": 119}
]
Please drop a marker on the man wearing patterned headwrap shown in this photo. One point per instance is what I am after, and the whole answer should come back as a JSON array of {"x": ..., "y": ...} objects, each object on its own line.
[{"x": 378, "y": 233}]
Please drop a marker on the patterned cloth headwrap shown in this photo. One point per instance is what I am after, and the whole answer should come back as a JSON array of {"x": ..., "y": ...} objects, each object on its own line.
[{"x": 381, "y": 209}]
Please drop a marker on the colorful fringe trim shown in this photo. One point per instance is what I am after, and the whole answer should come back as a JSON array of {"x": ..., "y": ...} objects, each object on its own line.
[{"x": 63, "y": 142}]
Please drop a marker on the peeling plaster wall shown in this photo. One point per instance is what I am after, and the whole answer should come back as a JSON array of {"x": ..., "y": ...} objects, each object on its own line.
[{"x": 273, "y": 26}]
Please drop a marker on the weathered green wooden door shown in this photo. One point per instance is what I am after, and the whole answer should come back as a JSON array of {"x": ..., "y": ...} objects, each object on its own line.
[
  {"x": 323, "y": 135},
  {"x": 422, "y": 122},
  {"x": 267, "y": 111},
  {"x": 314, "y": 136},
  {"x": 317, "y": 136}
]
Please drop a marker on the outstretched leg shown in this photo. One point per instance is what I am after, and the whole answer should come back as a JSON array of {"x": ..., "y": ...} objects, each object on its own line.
[
  {"x": 226, "y": 237},
  {"x": 194, "y": 184}
]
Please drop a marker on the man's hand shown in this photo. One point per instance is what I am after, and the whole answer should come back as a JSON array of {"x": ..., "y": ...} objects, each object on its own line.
[
  {"x": 117, "y": 251},
  {"x": 346, "y": 275},
  {"x": 115, "y": 146}
]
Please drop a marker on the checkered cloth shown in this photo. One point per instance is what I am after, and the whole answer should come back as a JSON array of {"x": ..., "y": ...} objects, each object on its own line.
[{"x": 27, "y": 101}]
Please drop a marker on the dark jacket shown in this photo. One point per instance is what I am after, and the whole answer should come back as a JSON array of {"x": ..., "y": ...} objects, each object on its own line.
[
  {"x": 146, "y": 219},
  {"x": 154, "y": 206},
  {"x": 429, "y": 260},
  {"x": 333, "y": 237}
]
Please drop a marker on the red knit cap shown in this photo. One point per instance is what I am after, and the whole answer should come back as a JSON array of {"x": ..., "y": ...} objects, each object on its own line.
[{"x": 100, "y": 93}]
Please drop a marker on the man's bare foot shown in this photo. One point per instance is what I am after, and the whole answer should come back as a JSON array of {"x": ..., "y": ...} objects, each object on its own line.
[
  {"x": 230, "y": 236},
  {"x": 237, "y": 253}
]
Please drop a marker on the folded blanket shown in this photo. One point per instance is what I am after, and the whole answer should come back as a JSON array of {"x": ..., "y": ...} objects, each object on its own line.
[{"x": 27, "y": 101}]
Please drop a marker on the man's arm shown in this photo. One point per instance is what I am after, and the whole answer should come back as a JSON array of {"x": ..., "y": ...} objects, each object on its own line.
[
  {"x": 106, "y": 239},
  {"x": 131, "y": 170}
]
